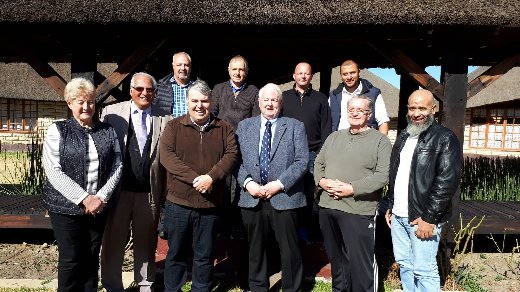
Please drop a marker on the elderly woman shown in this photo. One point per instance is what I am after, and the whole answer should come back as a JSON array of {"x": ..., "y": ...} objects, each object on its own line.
[{"x": 82, "y": 161}]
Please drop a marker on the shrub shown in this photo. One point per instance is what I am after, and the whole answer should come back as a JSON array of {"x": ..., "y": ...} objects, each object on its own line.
[
  {"x": 491, "y": 179},
  {"x": 27, "y": 176}
]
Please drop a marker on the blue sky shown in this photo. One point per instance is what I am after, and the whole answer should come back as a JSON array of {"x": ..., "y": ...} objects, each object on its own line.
[{"x": 391, "y": 77}]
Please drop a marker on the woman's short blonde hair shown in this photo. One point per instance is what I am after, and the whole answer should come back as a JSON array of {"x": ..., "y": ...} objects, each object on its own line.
[{"x": 78, "y": 87}]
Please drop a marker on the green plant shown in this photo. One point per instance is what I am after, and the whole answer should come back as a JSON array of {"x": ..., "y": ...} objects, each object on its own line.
[
  {"x": 26, "y": 175},
  {"x": 469, "y": 279},
  {"x": 485, "y": 178},
  {"x": 512, "y": 260},
  {"x": 460, "y": 275},
  {"x": 463, "y": 239},
  {"x": 499, "y": 278}
]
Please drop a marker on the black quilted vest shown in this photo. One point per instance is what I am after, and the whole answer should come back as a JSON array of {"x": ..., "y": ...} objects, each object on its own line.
[{"x": 73, "y": 160}]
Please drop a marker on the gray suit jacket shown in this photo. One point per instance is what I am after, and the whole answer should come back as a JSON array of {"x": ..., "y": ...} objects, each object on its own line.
[
  {"x": 118, "y": 115},
  {"x": 289, "y": 158}
]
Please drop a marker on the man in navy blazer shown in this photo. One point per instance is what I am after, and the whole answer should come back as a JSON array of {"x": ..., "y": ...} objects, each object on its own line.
[{"x": 272, "y": 206}]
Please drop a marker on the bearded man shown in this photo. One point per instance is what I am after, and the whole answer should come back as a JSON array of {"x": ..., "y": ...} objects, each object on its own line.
[{"x": 425, "y": 167}]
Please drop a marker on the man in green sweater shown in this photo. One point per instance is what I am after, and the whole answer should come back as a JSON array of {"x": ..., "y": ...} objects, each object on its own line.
[{"x": 351, "y": 171}]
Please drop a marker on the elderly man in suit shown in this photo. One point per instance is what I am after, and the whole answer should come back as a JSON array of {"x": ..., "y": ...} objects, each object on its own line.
[
  {"x": 274, "y": 159},
  {"x": 138, "y": 124}
]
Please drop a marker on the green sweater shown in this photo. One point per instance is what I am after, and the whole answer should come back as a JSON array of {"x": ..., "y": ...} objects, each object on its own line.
[{"x": 361, "y": 159}]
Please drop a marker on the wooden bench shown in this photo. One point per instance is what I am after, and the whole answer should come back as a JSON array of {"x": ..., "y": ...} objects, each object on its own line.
[
  {"x": 23, "y": 211},
  {"x": 500, "y": 217}
]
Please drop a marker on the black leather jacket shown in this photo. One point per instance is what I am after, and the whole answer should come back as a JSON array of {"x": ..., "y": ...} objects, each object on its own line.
[{"x": 434, "y": 173}]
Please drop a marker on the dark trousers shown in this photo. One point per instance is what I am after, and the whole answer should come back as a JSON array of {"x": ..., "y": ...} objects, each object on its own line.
[
  {"x": 349, "y": 242},
  {"x": 309, "y": 226},
  {"x": 79, "y": 241},
  {"x": 182, "y": 222},
  {"x": 259, "y": 222}
]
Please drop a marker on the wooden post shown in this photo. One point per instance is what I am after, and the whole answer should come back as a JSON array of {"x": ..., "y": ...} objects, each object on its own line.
[
  {"x": 454, "y": 75},
  {"x": 325, "y": 79},
  {"x": 407, "y": 86},
  {"x": 84, "y": 65},
  {"x": 455, "y": 80}
]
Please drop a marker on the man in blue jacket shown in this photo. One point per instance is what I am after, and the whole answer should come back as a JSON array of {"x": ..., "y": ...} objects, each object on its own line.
[
  {"x": 274, "y": 159},
  {"x": 353, "y": 85}
]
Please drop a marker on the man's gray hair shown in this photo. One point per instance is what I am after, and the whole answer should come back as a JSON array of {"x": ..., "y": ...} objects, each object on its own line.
[
  {"x": 143, "y": 74},
  {"x": 180, "y": 53},
  {"x": 200, "y": 86},
  {"x": 364, "y": 97},
  {"x": 239, "y": 58},
  {"x": 270, "y": 87}
]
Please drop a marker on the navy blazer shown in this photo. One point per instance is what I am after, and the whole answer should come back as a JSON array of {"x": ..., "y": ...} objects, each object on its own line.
[{"x": 289, "y": 159}]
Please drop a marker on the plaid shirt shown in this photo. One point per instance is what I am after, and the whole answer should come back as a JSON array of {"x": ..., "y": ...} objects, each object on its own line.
[{"x": 179, "y": 106}]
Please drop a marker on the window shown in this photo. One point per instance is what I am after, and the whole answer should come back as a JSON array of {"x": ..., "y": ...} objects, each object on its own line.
[
  {"x": 18, "y": 115},
  {"x": 495, "y": 128}
]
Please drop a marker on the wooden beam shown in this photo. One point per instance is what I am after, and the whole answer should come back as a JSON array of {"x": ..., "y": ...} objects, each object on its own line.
[
  {"x": 140, "y": 55},
  {"x": 42, "y": 68},
  {"x": 115, "y": 92},
  {"x": 25, "y": 221},
  {"x": 408, "y": 66},
  {"x": 491, "y": 75}
]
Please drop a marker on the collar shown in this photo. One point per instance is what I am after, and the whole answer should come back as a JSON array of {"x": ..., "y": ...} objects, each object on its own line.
[
  {"x": 264, "y": 120},
  {"x": 134, "y": 109},
  {"x": 203, "y": 127},
  {"x": 173, "y": 81},
  {"x": 356, "y": 92},
  {"x": 362, "y": 133},
  {"x": 235, "y": 90},
  {"x": 306, "y": 92}
]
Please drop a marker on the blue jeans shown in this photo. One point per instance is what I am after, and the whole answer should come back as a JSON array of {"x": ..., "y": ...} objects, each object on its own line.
[
  {"x": 416, "y": 257},
  {"x": 181, "y": 222}
]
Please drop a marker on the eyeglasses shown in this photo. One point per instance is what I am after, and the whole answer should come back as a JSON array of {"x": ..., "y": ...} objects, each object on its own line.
[
  {"x": 140, "y": 89},
  {"x": 359, "y": 111}
]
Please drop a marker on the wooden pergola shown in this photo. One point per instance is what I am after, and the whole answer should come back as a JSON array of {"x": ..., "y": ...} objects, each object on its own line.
[{"x": 273, "y": 36}]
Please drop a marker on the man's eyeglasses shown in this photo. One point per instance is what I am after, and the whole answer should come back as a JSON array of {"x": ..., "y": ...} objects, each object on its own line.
[
  {"x": 140, "y": 89},
  {"x": 359, "y": 111}
]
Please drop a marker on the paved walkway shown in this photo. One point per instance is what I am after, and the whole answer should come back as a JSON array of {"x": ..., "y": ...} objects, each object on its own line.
[{"x": 36, "y": 283}]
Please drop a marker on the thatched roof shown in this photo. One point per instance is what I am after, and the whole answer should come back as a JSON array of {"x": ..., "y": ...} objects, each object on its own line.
[
  {"x": 506, "y": 88},
  {"x": 265, "y": 12},
  {"x": 20, "y": 81}
]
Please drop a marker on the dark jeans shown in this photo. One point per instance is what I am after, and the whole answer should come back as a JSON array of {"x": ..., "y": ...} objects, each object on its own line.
[
  {"x": 79, "y": 241},
  {"x": 181, "y": 222},
  {"x": 231, "y": 220},
  {"x": 309, "y": 227}
]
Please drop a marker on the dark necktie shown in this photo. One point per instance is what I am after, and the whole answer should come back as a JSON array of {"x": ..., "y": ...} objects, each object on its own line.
[
  {"x": 143, "y": 133},
  {"x": 265, "y": 153}
]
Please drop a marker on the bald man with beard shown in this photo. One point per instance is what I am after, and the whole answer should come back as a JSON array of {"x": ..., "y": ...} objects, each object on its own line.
[{"x": 425, "y": 170}]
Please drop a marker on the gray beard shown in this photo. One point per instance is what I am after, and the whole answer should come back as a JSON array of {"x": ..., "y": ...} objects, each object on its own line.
[{"x": 416, "y": 129}]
